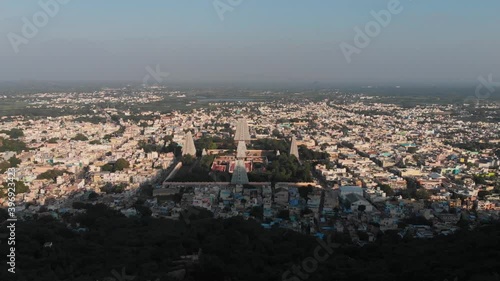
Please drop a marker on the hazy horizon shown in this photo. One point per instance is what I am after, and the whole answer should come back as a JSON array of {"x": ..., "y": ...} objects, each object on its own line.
[{"x": 446, "y": 43}]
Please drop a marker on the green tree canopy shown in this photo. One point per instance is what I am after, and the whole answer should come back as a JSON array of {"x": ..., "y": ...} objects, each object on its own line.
[
  {"x": 121, "y": 164},
  {"x": 422, "y": 194},
  {"x": 14, "y": 133},
  {"x": 187, "y": 160},
  {"x": 387, "y": 189},
  {"x": 51, "y": 174},
  {"x": 12, "y": 145},
  {"x": 80, "y": 137},
  {"x": 21, "y": 187}
]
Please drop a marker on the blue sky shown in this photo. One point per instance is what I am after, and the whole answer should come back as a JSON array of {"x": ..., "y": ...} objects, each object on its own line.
[{"x": 447, "y": 41}]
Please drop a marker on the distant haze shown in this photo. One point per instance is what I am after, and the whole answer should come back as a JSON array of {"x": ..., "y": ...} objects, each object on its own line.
[{"x": 288, "y": 41}]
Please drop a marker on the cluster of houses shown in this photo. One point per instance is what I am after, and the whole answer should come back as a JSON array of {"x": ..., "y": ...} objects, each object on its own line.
[{"x": 377, "y": 152}]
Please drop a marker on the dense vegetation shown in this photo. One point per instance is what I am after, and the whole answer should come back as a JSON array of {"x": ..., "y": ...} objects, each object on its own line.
[
  {"x": 473, "y": 146},
  {"x": 233, "y": 249},
  {"x": 160, "y": 148},
  {"x": 80, "y": 137},
  {"x": 271, "y": 144},
  {"x": 120, "y": 165},
  {"x": 13, "y": 162},
  {"x": 51, "y": 175},
  {"x": 12, "y": 145},
  {"x": 284, "y": 168},
  {"x": 20, "y": 187},
  {"x": 213, "y": 142},
  {"x": 195, "y": 169},
  {"x": 13, "y": 133},
  {"x": 307, "y": 154}
]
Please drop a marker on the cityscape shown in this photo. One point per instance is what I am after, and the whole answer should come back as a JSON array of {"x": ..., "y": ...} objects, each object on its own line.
[{"x": 210, "y": 176}]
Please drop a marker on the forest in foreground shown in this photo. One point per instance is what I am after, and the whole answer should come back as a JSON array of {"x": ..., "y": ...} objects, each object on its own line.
[{"x": 114, "y": 247}]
